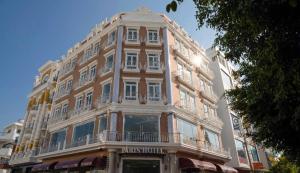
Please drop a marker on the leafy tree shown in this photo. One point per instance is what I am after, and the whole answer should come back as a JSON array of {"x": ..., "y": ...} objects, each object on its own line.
[
  {"x": 263, "y": 38},
  {"x": 284, "y": 166}
]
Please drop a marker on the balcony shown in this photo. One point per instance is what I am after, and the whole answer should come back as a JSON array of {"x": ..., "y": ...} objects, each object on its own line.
[
  {"x": 80, "y": 111},
  {"x": 5, "y": 152},
  {"x": 184, "y": 56},
  {"x": 205, "y": 71},
  {"x": 84, "y": 81},
  {"x": 209, "y": 95},
  {"x": 62, "y": 93},
  {"x": 184, "y": 78},
  {"x": 66, "y": 71},
  {"x": 103, "y": 101},
  {"x": 133, "y": 138},
  {"x": 189, "y": 108}
]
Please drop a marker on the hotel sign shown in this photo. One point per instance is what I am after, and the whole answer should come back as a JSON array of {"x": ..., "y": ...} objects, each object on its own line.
[{"x": 144, "y": 150}]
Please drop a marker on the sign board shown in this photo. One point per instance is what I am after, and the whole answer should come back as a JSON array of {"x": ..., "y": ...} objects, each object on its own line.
[{"x": 144, "y": 150}]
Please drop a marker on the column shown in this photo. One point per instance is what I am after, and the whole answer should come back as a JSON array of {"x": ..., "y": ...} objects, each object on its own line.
[
  {"x": 111, "y": 161},
  {"x": 171, "y": 130},
  {"x": 173, "y": 164},
  {"x": 118, "y": 58},
  {"x": 167, "y": 66}
]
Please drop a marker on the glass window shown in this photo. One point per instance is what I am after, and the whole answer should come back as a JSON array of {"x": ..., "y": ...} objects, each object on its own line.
[
  {"x": 153, "y": 36},
  {"x": 89, "y": 99},
  {"x": 188, "y": 132},
  {"x": 82, "y": 131},
  {"x": 97, "y": 48},
  {"x": 226, "y": 80},
  {"x": 92, "y": 72},
  {"x": 57, "y": 140},
  {"x": 180, "y": 70},
  {"x": 132, "y": 35},
  {"x": 83, "y": 77},
  {"x": 141, "y": 128},
  {"x": 109, "y": 62},
  {"x": 65, "y": 109},
  {"x": 187, "y": 100},
  {"x": 212, "y": 138},
  {"x": 154, "y": 91},
  {"x": 154, "y": 63},
  {"x": 79, "y": 103},
  {"x": 254, "y": 154},
  {"x": 111, "y": 38},
  {"x": 130, "y": 90},
  {"x": 202, "y": 85},
  {"x": 131, "y": 60},
  {"x": 205, "y": 107},
  {"x": 102, "y": 124},
  {"x": 57, "y": 112},
  {"x": 177, "y": 44},
  {"x": 69, "y": 85},
  {"x": 105, "y": 93},
  {"x": 240, "y": 147}
]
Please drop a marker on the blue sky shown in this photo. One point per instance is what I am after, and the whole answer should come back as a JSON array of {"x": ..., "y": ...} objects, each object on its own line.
[{"x": 34, "y": 31}]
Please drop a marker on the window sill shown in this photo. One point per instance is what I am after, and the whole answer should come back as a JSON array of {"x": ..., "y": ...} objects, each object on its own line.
[
  {"x": 153, "y": 44},
  {"x": 132, "y": 42},
  {"x": 154, "y": 71},
  {"x": 137, "y": 70}
]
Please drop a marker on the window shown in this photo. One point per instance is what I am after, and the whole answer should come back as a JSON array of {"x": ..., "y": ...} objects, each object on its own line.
[
  {"x": 79, "y": 103},
  {"x": 130, "y": 90},
  {"x": 254, "y": 154},
  {"x": 65, "y": 109},
  {"x": 18, "y": 131},
  {"x": 131, "y": 61},
  {"x": 205, "y": 107},
  {"x": 154, "y": 91},
  {"x": 153, "y": 36},
  {"x": 83, "y": 77},
  {"x": 132, "y": 35},
  {"x": 212, "y": 139},
  {"x": 141, "y": 128},
  {"x": 97, "y": 48},
  {"x": 177, "y": 44},
  {"x": 88, "y": 53},
  {"x": 102, "y": 124},
  {"x": 180, "y": 70},
  {"x": 188, "y": 131},
  {"x": 240, "y": 147},
  {"x": 57, "y": 140},
  {"x": 57, "y": 112},
  {"x": 202, "y": 85},
  {"x": 111, "y": 38},
  {"x": 226, "y": 80},
  {"x": 187, "y": 101},
  {"x": 69, "y": 85},
  {"x": 105, "y": 93},
  {"x": 154, "y": 62},
  {"x": 92, "y": 72},
  {"x": 89, "y": 100},
  {"x": 109, "y": 63},
  {"x": 82, "y": 131}
]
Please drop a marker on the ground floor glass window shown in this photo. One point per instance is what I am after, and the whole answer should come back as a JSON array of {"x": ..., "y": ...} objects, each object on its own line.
[{"x": 141, "y": 166}]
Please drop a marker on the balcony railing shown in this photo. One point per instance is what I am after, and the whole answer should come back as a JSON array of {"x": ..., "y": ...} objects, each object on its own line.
[
  {"x": 188, "y": 107},
  {"x": 62, "y": 93},
  {"x": 184, "y": 78},
  {"x": 208, "y": 95},
  {"x": 205, "y": 71},
  {"x": 66, "y": 70},
  {"x": 117, "y": 138}
]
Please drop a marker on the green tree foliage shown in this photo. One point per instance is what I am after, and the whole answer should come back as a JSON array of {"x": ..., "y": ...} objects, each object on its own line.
[
  {"x": 284, "y": 166},
  {"x": 263, "y": 38}
]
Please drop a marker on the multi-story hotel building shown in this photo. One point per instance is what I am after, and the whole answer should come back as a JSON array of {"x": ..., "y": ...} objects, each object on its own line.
[
  {"x": 8, "y": 139},
  {"x": 128, "y": 99},
  {"x": 246, "y": 155},
  {"x": 36, "y": 118}
]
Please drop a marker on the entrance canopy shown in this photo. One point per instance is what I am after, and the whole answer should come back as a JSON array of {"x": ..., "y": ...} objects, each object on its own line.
[
  {"x": 68, "y": 164},
  {"x": 94, "y": 161},
  {"x": 185, "y": 163},
  {"x": 43, "y": 166},
  {"x": 226, "y": 169}
]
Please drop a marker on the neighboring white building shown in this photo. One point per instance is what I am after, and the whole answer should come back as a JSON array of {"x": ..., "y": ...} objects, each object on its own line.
[
  {"x": 232, "y": 130},
  {"x": 8, "y": 138}
]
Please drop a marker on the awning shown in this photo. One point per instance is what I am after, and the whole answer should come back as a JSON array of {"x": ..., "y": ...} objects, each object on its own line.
[
  {"x": 94, "y": 161},
  {"x": 68, "y": 164},
  {"x": 226, "y": 169},
  {"x": 43, "y": 167},
  {"x": 193, "y": 163}
]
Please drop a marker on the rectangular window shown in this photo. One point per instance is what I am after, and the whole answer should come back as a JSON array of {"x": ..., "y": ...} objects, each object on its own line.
[
  {"x": 105, "y": 93},
  {"x": 212, "y": 139},
  {"x": 132, "y": 35},
  {"x": 81, "y": 132},
  {"x": 202, "y": 85},
  {"x": 65, "y": 109},
  {"x": 97, "y": 48},
  {"x": 92, "y": 72},
  {"x": 130, "y": 90},
  {"x": 131, "y": 60},
  {"x": 57, "y": 112},
  {"x": 139, "y": 128},
  {"x": 254, "y": 154},
  {"x": 79, "y": 103},
  {"x": 187, "y": 101},
  {"x": 57, "y": 140},
  {"x": 111, "y": 38},
  {"x": 102, "y": 124},
  {"x": 226, "y": 80},
  {"x": 205, "y": 107},
  {"x": 240, "y": 147},
  {"x": 89, "y": 100},
  {"x": 109, "y": 63},
  {"x": 154, "y": 62},
  {"x": 83, "y": 77},
  {"x": 154, "y": 91},
  {"x": 177, "y": 44},
  {"x": 69, "y": 85},
  {"x": 188, "y": 132},
  {"x": 180, "y": 70},
  {"x": 88, "y": 53},
  {"x": 153, "y": 36}
]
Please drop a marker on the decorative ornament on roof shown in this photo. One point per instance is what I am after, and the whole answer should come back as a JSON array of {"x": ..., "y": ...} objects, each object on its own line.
[{"x": 144, "y": 10}]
